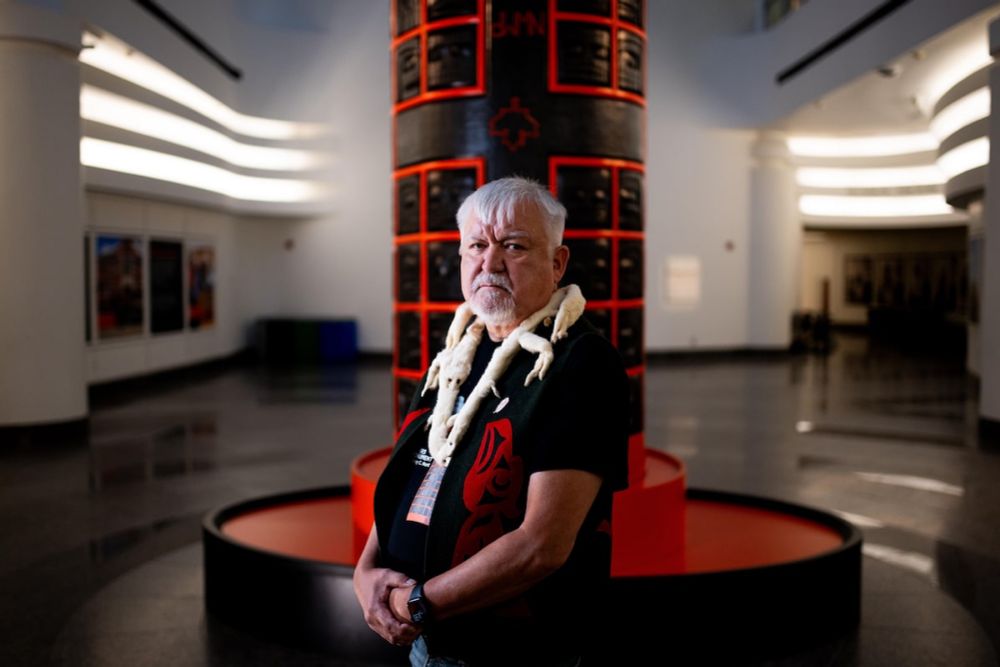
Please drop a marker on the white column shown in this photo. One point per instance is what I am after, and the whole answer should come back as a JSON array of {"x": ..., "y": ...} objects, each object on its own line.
[
  {"x": 989, "y": 304},
  {"x": 42, "y": 370},
  {"x": 775, "y": 244}
]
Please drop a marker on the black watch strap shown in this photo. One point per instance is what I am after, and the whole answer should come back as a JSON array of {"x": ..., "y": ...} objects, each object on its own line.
[{"x": 417, "y": 605}]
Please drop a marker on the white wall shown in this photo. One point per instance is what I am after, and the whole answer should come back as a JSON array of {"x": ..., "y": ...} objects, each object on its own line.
[
  {"x": 697, "y": 183},
  {"x": 118, "y": 358},
  {"x": 333, "y": 68}
]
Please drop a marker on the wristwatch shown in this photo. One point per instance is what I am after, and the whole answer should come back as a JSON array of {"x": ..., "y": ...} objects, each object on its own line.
[{"x": 417, "y": 605}]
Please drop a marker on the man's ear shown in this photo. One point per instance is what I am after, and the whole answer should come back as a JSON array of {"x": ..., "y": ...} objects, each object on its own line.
[{"x": 560, "y": 260}]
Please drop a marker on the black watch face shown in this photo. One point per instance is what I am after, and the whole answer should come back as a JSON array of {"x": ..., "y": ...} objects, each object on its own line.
[
  {"x": 417, "y": 611},
  {"x": 417, "y": 614},
  {"x": 416, "y": 606}
]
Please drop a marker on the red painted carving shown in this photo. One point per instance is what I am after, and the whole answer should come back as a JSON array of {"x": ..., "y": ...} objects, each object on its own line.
[
  {"x": 515, "y": 125},
  {"x": 514, "y": 23}
]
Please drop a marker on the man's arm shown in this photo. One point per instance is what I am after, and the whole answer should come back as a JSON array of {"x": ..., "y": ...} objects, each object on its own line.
[
  {"x": 558, "y": 502},
  {"x": 372, "y": 586}
]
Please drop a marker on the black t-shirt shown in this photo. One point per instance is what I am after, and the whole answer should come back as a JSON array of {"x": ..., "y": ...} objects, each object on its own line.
[
  {"x": 405, "y": 548},
  {"x": 581, "y": 412}
]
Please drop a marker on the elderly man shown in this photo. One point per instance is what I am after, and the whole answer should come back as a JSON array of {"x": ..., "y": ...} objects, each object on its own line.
[{"x": 492, "y": 540}]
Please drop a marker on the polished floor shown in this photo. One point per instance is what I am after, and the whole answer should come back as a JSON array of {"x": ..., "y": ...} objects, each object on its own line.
[{"x": 100, "y": 554}]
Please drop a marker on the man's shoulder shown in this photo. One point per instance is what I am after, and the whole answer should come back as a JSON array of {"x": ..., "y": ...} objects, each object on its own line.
[
  {"x": 586, "y": 350},
  {"x": 583, "y": 336}
]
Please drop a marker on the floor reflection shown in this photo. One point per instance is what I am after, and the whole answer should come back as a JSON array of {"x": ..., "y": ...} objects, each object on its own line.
[
  {"x": 325, "y": 384},
  {"x": 79, "y": 515},
  {"x": 182, "y": 448}
]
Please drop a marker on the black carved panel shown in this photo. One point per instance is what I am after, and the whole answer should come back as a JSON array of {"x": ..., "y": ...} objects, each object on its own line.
[
  {"x": 590, "y": 267},
  {"x": 585, "y": 192},
  {"x": 631, "y": 11},
  {"x": 570, "y": 125},
  {"x": 635, "y": 403},
  {"x": 437, "y": 331},
  {"x": 407, "y": 15},
  {"x": 408, "y": 273},
  {"x": 629, "y": 269},
  {"x": 405, "y": 389},
  {"x": 630, "y": 50},
  {"x": 597, "y": 7},
  {"x": 446, "y": 9},
  {"x": 408, "y": 340},
  {"x": 408, "y": 69},
  {"x": 408, "y": 205},
  {"x": 444, "y": 278},
  {"x": 630, "y": 185},
  {"x": 584, "y": 53},
  {"x": 451, "y": 58},
  {"x": 630, "y": 336},
  {"x": 601, "y": 319},
  {"x": 446, "y": 190}
]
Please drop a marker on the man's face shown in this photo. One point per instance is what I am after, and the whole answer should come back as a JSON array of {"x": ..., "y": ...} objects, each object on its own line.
[{"x": 509, "y": 271}]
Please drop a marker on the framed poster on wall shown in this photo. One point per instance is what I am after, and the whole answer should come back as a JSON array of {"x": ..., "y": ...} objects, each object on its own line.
[
  {"x": 201, "y": 286},
  {"x": 86, "y": 287},
  {"x": 858, "y": 280},
  {"x": 889, "y": 283},
  {"x": 944, "y": 285},
  {"x": 918, "y": 282},
  {"x": 166, "y": 286},
  {"x": 119, "y": 286}
]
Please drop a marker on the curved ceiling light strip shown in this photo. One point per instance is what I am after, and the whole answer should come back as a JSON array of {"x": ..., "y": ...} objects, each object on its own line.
[
  {"x": 860, "y": 147},
  {"x": 837, "y": 206},
  {"x": 101, "y": 106},
  {"x": 966, "y": 157},
  {"x": 113, "y": 56},
  {"x": 125, "y": 159},
  {"x": 962, "y": 64},
  {"x": 961, "y": 113},
  {"x": 961, "y": 121},
  {"x": 889, "y": 177}
]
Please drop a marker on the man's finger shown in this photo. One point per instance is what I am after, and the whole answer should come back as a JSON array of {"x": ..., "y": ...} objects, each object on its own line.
[{"x": 397, "y": 580}]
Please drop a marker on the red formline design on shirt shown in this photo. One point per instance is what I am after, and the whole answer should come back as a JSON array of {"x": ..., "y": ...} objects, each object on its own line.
[{"x": 492, "y": 488}]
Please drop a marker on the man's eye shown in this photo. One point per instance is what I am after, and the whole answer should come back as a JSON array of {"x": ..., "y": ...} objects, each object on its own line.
[{"x": 514, "y": 246}]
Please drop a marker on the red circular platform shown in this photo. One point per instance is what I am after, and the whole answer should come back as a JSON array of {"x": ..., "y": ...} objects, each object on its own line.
[
  {"x": 727, "y": 575},
  {"x": 718, "y": 536}
]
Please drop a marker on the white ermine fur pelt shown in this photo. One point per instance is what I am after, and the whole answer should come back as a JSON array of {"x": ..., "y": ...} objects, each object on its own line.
[{"x": 453, "y": 364}]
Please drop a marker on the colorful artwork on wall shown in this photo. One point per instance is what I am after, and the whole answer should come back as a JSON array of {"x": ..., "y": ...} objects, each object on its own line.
[
  {"x": 201, "y": 286},
  {"x": 86, "y": 288},
  {"x": 166, "y": 286},
  {"x": 119, "y": 286}
]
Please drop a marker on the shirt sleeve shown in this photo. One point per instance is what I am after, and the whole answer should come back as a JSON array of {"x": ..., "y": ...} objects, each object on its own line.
[{"x": 582, "y": 420}]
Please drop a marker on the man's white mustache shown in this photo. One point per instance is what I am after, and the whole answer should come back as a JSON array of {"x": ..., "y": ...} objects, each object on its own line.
[{"x": 492, "y": 279}]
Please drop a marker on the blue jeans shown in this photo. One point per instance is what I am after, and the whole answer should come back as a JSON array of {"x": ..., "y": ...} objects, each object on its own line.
[{"x": 419, "y": 658}]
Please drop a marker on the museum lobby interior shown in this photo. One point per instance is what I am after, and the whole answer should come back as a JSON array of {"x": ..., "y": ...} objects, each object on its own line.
[{"x": 203, "y": 292}]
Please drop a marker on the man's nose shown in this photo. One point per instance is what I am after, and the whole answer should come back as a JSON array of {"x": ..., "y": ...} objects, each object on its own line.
[{"x": 493, "y": 259}]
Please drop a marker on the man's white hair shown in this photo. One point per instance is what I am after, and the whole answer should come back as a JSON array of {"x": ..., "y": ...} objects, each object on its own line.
[{"x": 499, "y": 201}]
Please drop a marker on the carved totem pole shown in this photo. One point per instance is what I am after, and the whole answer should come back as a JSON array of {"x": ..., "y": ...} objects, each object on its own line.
[{"x": 548, "y": 89}]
